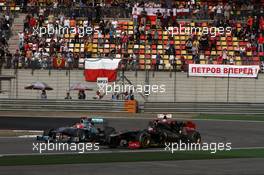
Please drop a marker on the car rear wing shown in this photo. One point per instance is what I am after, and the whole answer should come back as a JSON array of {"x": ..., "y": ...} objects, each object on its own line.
[
  {"x": 97, "y": 120},
  {"x": 162, "y": 116}
]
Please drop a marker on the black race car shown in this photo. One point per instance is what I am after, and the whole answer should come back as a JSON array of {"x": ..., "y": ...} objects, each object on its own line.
[
  {"x": 87, "y": 130},
  {"x": 158, "y": 133}
]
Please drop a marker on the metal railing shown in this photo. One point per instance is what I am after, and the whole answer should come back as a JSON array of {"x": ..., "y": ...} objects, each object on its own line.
[
  {"x": 63, "y": 105},
  {"x": 204, "y": 108}
]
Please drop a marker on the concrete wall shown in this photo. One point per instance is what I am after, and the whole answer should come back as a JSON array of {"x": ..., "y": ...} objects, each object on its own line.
[{"x": 180, "y": 88}]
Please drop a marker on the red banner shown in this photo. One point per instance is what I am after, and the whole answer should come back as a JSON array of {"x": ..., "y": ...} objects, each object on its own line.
[
  {"x": 58, "y": 63},
  {"x": 211, "y": 70}
]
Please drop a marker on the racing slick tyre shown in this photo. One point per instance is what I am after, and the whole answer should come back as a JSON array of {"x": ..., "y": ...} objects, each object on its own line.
[
  {"x": 144, "y": 139},
  {"x": 80, "y": 135},
  {"x": 46, "y": 132},
  {"x": 107, "y": 132},
  {"x": 195, "y": 137},
  {"x": 113, "y": 142},
  {"x": 50, "y": 133}
]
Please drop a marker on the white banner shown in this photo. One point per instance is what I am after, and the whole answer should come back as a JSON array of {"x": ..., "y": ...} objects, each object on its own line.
[
  {"x": 104, "y": 63},
  {"x": 211, "y": 70},
  {"x": 153, "y": 11}
]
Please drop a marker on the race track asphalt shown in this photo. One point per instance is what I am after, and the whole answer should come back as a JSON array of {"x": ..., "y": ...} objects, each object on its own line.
[
  {"x": 241, "y": 134},
  {"x": 187, "y": 167}
]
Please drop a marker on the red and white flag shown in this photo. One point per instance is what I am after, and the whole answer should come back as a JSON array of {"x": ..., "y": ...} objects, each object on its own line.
[{"x": 95, "y": 68}]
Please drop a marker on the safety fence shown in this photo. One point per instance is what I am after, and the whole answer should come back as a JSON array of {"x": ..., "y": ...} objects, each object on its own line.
[
  {"x": 129, "y": 106},
  {"x": 204, "y": 108},
  {"x": 67, "y": 105}
]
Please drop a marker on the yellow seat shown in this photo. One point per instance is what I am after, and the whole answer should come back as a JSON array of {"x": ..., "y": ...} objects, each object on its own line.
[
  {"x": 72, "y": 35},
  {"x": 237, "y": 58},
  {"x": 176, "y": 37},
  {"x": 231, "y": 53},
  {"x": 148, "y": 61},
  {"x": 165, "y": 37},
  {"x": 238, "y": 63},
  {"x": 213, "y": 52},
  {"x": 249, "y": 53},
  {"x": 235, "y": 43},
  {"x": 189, "y": 57},
  {"x": 223, "y": 43},
  {"x": 182, "y": 38},
  {"x": 166, "y": 62},
  {"x": 183, "y": 52},
  {"x": 178, "y": 62},
  {"x": 202, "y": 62},
  {"x": 165, "y": 33}
]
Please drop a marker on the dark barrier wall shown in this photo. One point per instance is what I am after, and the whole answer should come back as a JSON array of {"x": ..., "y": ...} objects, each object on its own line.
[{"x": 66, "y": 105}]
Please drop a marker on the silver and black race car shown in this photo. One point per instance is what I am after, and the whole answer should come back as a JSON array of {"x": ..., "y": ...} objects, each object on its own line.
[
  {"x": 158, "y": 133},
  {"x": 87, "y": 130}
]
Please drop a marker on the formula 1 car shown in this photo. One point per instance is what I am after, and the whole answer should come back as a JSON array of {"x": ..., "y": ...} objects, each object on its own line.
[
  {"x": 158, "y": 133},
  {"x": 84, "y": 131}
]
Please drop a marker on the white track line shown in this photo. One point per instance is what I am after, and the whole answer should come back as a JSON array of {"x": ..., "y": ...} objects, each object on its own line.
[
  {"x": 27, "y": 131},
  {"x": 114, "y": 151},
  {"x": 27, "y": 136}
]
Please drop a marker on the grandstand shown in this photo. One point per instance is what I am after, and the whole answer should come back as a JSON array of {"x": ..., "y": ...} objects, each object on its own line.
[
  {"x": 141, "y": 45},
  {"x": 240, "y": 51}
]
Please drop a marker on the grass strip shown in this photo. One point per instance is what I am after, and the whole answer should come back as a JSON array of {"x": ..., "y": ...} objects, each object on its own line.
[{"x": 128, "y": 157}]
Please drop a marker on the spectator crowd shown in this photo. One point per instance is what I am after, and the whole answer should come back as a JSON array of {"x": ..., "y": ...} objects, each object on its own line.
[
  {"x": 33, "y": 52},
  {"x": 5, "y": 26}
]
